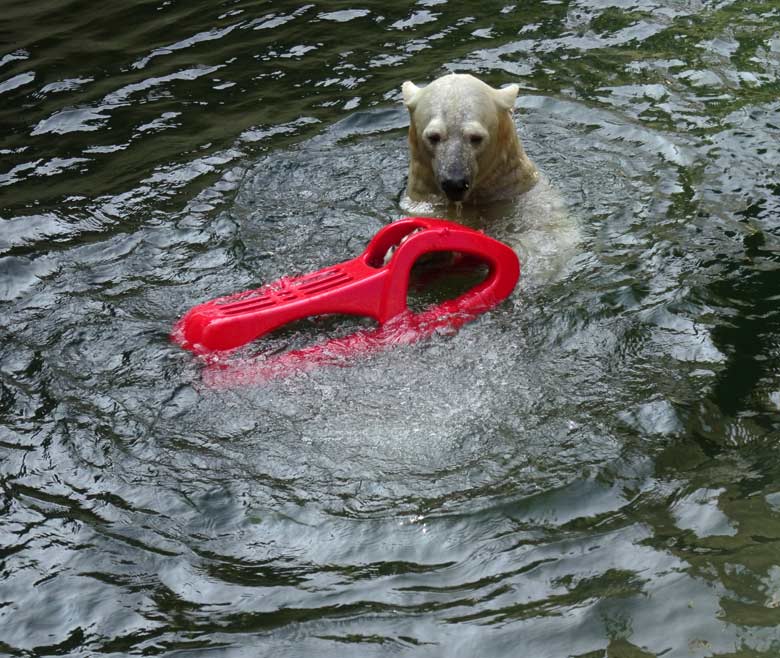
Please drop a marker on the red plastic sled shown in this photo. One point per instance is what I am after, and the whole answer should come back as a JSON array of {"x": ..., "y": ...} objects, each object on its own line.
[{"x": 371, "y": 285}]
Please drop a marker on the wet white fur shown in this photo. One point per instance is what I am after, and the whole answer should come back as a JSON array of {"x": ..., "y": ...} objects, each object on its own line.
[
  {"x": 507, "y": 197},
  {"x": 461, "y": 127}
]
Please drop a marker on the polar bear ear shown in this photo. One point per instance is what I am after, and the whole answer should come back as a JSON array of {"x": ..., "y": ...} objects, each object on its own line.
[
  {"x": 505, "y": 97},
  {"x": 410, "y": 91}
]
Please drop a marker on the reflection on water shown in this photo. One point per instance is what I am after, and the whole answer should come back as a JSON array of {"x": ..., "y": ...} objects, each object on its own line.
[{"x": 589, "y": 470}]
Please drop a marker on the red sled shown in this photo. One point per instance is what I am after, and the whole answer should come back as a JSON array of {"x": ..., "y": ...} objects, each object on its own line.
[{"x": 374, "y": 284}]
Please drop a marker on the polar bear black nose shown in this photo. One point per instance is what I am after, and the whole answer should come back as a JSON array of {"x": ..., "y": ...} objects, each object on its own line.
[{"x": 455, "y": 188}]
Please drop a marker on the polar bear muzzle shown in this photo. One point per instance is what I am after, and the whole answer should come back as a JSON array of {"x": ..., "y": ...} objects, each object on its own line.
[{"x": 452, "y": 170}]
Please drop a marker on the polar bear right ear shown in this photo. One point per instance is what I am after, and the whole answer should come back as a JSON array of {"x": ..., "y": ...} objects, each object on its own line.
[
  {"x": 506, "y": 96},
  {"x": 410, "y": 91}
]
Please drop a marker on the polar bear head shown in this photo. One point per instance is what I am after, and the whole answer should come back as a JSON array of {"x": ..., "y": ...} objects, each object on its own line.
[{"x": 463, "y": 144}]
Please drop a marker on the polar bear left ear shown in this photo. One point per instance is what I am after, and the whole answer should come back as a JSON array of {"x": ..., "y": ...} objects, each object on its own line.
[
  {"x": 410, "y": 91},
  {"x": 505, "y": 97}
]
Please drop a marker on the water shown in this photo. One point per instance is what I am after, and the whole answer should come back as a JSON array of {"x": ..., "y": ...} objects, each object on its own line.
[{"x": 589, "y": 470}]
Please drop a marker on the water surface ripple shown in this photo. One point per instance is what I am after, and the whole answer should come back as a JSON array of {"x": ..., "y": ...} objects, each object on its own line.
[{"x": 589, "y": 470}]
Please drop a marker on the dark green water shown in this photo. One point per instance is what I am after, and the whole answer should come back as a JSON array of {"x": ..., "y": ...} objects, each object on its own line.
[{"x": 590, "y": 470}]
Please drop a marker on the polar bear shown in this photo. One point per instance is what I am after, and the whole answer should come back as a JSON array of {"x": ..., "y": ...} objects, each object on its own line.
[
  {"x": 464, "y": 150},
  {"x": 463, "y": 144}
]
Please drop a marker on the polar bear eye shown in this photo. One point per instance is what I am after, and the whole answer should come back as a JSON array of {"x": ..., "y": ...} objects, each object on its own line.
[
  {"x": 434, "y": 138},
  {"x": 476, "y": 140}
]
